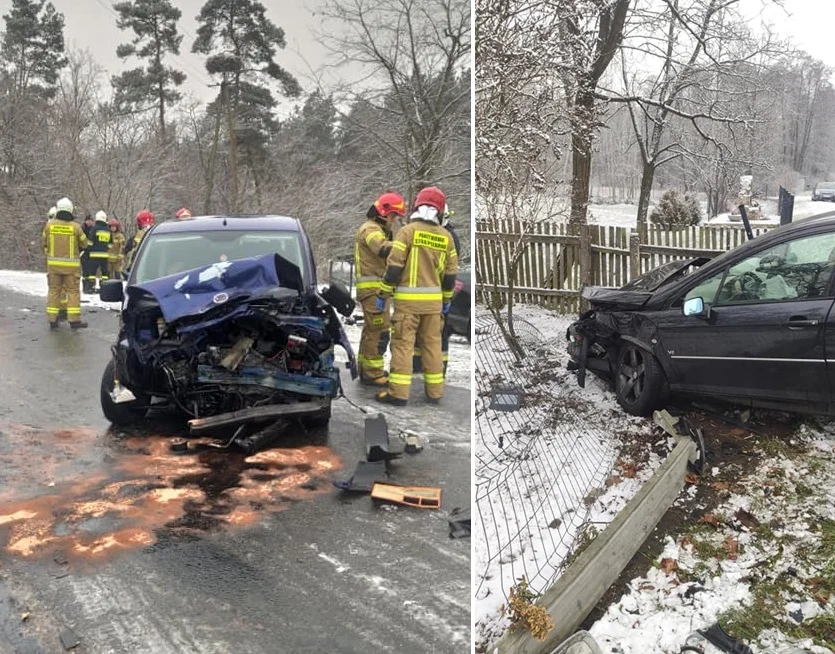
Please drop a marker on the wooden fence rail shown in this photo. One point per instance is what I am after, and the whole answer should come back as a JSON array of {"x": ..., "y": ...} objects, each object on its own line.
[{"x": 555, "y": 260}]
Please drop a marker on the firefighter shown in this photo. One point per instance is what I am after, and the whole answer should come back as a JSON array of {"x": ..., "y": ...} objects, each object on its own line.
[
  {"x": 63, "y": 240},
  {"x": 114, "y": 252},
  {"x": 62, "y": 303},
  {"x": 87, "y": 226},
  {"x": 144, "y": 222},
  {"x": 182, "y": 213},
  {"x": 446, "y": 331},
  {"x": 420, "y": 273},
  {"x": 100, "y": 238},
  {"x": 371, "y": 247}
]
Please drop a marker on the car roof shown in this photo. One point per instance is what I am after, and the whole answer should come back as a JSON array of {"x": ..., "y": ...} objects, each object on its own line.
[{"x": 237, "y": 222}]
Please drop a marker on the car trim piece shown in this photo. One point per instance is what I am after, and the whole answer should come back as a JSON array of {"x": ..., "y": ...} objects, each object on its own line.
[{"x": 769, "y": 359}]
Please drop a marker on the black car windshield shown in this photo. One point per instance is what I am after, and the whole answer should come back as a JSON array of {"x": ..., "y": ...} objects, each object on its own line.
[{"x": 173, "y": 253}]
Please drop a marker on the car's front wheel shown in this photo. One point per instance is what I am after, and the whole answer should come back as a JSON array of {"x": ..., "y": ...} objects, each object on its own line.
[
  {"x": 639, "y": 380},
  {"x": 122, "y": 413}
]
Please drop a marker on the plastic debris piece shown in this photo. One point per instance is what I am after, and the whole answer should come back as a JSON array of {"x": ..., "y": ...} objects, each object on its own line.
[
  {"x": 459, "y": 523},
  {"x": 421, "y": 497},
  {"x": 506, "y": 397},
  {"x": 69, "y": 640},
  {"x": 378, "y": 447},
  {"x": 364, "y": 477}
]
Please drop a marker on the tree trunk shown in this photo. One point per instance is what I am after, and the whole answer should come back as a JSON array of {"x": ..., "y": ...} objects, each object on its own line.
[
  {"x": 581, "y": 140},
  {"x": 233, "y": 153},
  {"x": 210, "y": 177},
  {"x": 647, "y": 177}
]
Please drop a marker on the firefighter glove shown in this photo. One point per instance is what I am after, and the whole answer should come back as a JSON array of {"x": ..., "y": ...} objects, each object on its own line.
[
  {"x": 445, "y": 308},
  {"x": 380, "y": 303}
]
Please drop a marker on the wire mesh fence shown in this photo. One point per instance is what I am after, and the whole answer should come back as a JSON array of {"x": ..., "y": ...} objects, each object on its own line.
[{"x": 537, "y": 469}]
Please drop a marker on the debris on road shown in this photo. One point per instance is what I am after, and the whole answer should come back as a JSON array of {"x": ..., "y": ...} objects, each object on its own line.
[
  {"x": 378, "y": 447},
  {"x": 414, "y": 444},
  {"x": 366, "y": 474},
  {"x": 421, "y": 497},
  {"x": 459, "y": 523},
  {"x": 69, "y": 639},
  {"x": 24, "y": 617}
]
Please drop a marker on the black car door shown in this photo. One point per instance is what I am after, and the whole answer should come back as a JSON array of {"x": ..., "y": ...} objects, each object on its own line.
[{"x": 763, "y": 335}]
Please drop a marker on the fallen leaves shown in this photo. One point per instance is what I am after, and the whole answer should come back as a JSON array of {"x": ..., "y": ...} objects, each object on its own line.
[
  {"x": 746, "y": 519},
  {"x": 709, "y": 519},
  {"x": 668, "y": 565},
  {"x": 731, "y": 548},
  {"x": 691, "y": 478}
]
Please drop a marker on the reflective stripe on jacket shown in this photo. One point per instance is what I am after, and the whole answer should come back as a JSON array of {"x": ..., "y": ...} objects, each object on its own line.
[
  {"x": 100, "y": 239},
  {"x": 371, "y": 245},
  {"x": 63, "y": 241},
  {"x": 421, "y": 268}
]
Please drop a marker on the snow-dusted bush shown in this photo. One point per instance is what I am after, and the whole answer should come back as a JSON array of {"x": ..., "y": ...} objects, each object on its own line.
[{"x": 675, "y": 210}]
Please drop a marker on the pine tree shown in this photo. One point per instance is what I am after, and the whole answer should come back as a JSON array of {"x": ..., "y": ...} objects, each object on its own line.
[
  {"x": 240, "y": 42},
  {"x": 154, "y": 23},
  {"x": 33, "y": 48}
]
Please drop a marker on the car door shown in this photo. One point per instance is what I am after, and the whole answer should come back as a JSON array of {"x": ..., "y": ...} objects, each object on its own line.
[{"x": 763, "y": 335}]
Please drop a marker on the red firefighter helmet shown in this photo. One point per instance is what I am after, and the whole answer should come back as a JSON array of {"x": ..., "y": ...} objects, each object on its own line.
[
  {"x": 144, "y": 218},
  {"x": 433, "y": 197},
  {"x": 183, "y": 213},
  {"x": 390, "y": 203},
  {"x": 114, "y": 223}
]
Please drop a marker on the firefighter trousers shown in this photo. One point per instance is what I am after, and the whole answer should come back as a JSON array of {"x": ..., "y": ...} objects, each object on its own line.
[
  {"x": 114, "y": 268},
  {"x": 417, "y": 359},
  {"x": 96, "y": 269},
  {"x": 406, "y": 328},
  {"x": 374, "y": 340},
  {"x": 60, "y": 284}
]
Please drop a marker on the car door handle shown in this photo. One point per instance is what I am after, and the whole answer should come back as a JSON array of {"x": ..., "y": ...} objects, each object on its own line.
[{"x": 799, "y": 322}]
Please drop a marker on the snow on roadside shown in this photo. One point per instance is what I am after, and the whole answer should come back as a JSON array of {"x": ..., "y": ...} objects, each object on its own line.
[
  {"x": 545, "y": 473},
  {"x": 761, "y": 550},
  {"x": 34, "y": 283}
]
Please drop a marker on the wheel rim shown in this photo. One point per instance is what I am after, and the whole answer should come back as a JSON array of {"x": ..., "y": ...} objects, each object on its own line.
[{"x": 632, "y": 374}]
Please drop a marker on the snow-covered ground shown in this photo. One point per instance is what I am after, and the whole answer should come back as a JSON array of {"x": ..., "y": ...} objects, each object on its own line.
[
  {"x": 545, "y": 473},
  {"x": 625, "y": 215},
  {"x": 766, "y": 554}
]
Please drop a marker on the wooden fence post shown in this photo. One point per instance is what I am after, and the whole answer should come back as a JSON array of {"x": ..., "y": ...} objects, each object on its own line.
[
  {"x": 585, "y": 262},
  {"x": 634, "y": 255}
]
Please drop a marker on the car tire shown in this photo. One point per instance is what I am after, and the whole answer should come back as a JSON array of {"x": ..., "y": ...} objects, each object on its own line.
[
  {"x": 124, "y": 413},
  {"x": 469, "y": 330},
  {"x": 640, "y": 384},
  {"x": 319, "y": 419}
]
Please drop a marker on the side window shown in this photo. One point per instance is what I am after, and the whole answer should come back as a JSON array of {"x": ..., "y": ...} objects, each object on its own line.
[
  {"x": 798, "y": 269},
  {"x": 707, "y": 289}
]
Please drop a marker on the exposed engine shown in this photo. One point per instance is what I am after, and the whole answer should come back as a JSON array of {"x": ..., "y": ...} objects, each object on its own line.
[{"x": 273, "y": 349}]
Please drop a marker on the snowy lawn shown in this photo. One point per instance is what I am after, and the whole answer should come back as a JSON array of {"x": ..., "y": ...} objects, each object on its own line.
[{"x": 761, "y": 562}]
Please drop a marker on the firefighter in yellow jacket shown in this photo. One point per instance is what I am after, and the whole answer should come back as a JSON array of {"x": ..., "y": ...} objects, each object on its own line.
[
  {"x": 420, "y": 273},
  {"x": 371, "y": 247},
  {"x": 115, "y": 254},
  {"x": 63, "y": 240}
]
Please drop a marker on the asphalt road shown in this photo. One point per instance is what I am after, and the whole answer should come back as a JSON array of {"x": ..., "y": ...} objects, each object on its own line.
[{"x": 139, "y": 549}]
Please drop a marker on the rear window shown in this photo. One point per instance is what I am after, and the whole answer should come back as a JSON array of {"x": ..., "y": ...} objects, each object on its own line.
[{"x": 171, "y": 254}]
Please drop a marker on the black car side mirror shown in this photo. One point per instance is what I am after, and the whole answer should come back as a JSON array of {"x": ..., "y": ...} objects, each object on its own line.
[
  {"x": 695, "y": 306},
  {"x": 112, "y": 291}
]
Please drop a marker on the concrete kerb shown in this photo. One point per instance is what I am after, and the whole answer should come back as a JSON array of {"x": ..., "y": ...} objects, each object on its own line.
[{"x": 582, "y": 585}]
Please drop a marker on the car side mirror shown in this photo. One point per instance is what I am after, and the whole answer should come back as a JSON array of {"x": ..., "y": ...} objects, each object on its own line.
[
  {"x": 112, "y": 291},
  {"x": 695, "y": 306}
]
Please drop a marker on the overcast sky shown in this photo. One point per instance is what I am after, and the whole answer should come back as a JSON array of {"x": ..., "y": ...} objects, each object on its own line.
[{"x": 91, "y": 24}]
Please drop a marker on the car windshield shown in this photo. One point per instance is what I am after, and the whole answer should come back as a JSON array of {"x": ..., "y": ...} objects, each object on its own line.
[
  {"x": 170, "y": 254},
  {"x": 826, "y": 186}
]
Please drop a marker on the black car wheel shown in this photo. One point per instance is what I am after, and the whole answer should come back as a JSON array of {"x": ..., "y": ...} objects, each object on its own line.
[
  {"x": 123, "y": 413},
  {"x": 639, "y": 380}
]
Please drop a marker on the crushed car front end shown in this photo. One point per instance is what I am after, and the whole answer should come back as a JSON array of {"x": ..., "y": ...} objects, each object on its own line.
[{"x": 241, "y": 337}]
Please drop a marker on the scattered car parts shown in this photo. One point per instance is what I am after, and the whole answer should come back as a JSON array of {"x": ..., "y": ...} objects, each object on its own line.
[{"x": 421, "y": 497}]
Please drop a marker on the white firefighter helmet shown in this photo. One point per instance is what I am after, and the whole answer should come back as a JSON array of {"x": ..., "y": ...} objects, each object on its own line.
[
  {"x": 101, "y": 217},
  {"x": 64, "y": 204}
]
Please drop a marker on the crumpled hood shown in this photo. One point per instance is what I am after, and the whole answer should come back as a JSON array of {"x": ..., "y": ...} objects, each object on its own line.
[
  {"x": 655, "y": 278},
  {"x": 194, "y": 292},
  {"x": 615, "y": 298}
]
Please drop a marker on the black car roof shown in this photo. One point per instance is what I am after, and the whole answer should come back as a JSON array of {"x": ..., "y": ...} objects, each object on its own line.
[{"x": 234, "y": 222}]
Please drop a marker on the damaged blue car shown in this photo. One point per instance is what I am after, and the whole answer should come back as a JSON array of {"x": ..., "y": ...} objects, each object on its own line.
[{"x": 223, "y": 321}]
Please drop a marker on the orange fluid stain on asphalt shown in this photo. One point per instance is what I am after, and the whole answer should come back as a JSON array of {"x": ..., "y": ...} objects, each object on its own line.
[{"x": 90, "y": 496}]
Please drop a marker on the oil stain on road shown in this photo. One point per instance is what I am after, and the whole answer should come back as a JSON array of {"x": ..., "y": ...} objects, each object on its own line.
[{"x": 89, "y": 495}]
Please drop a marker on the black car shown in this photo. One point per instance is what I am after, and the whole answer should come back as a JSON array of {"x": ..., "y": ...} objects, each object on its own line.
[
  {"x": 754, "y": 326},
  {"x": 222, "y": 320},
  {"x": 458, "y": 317}
]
